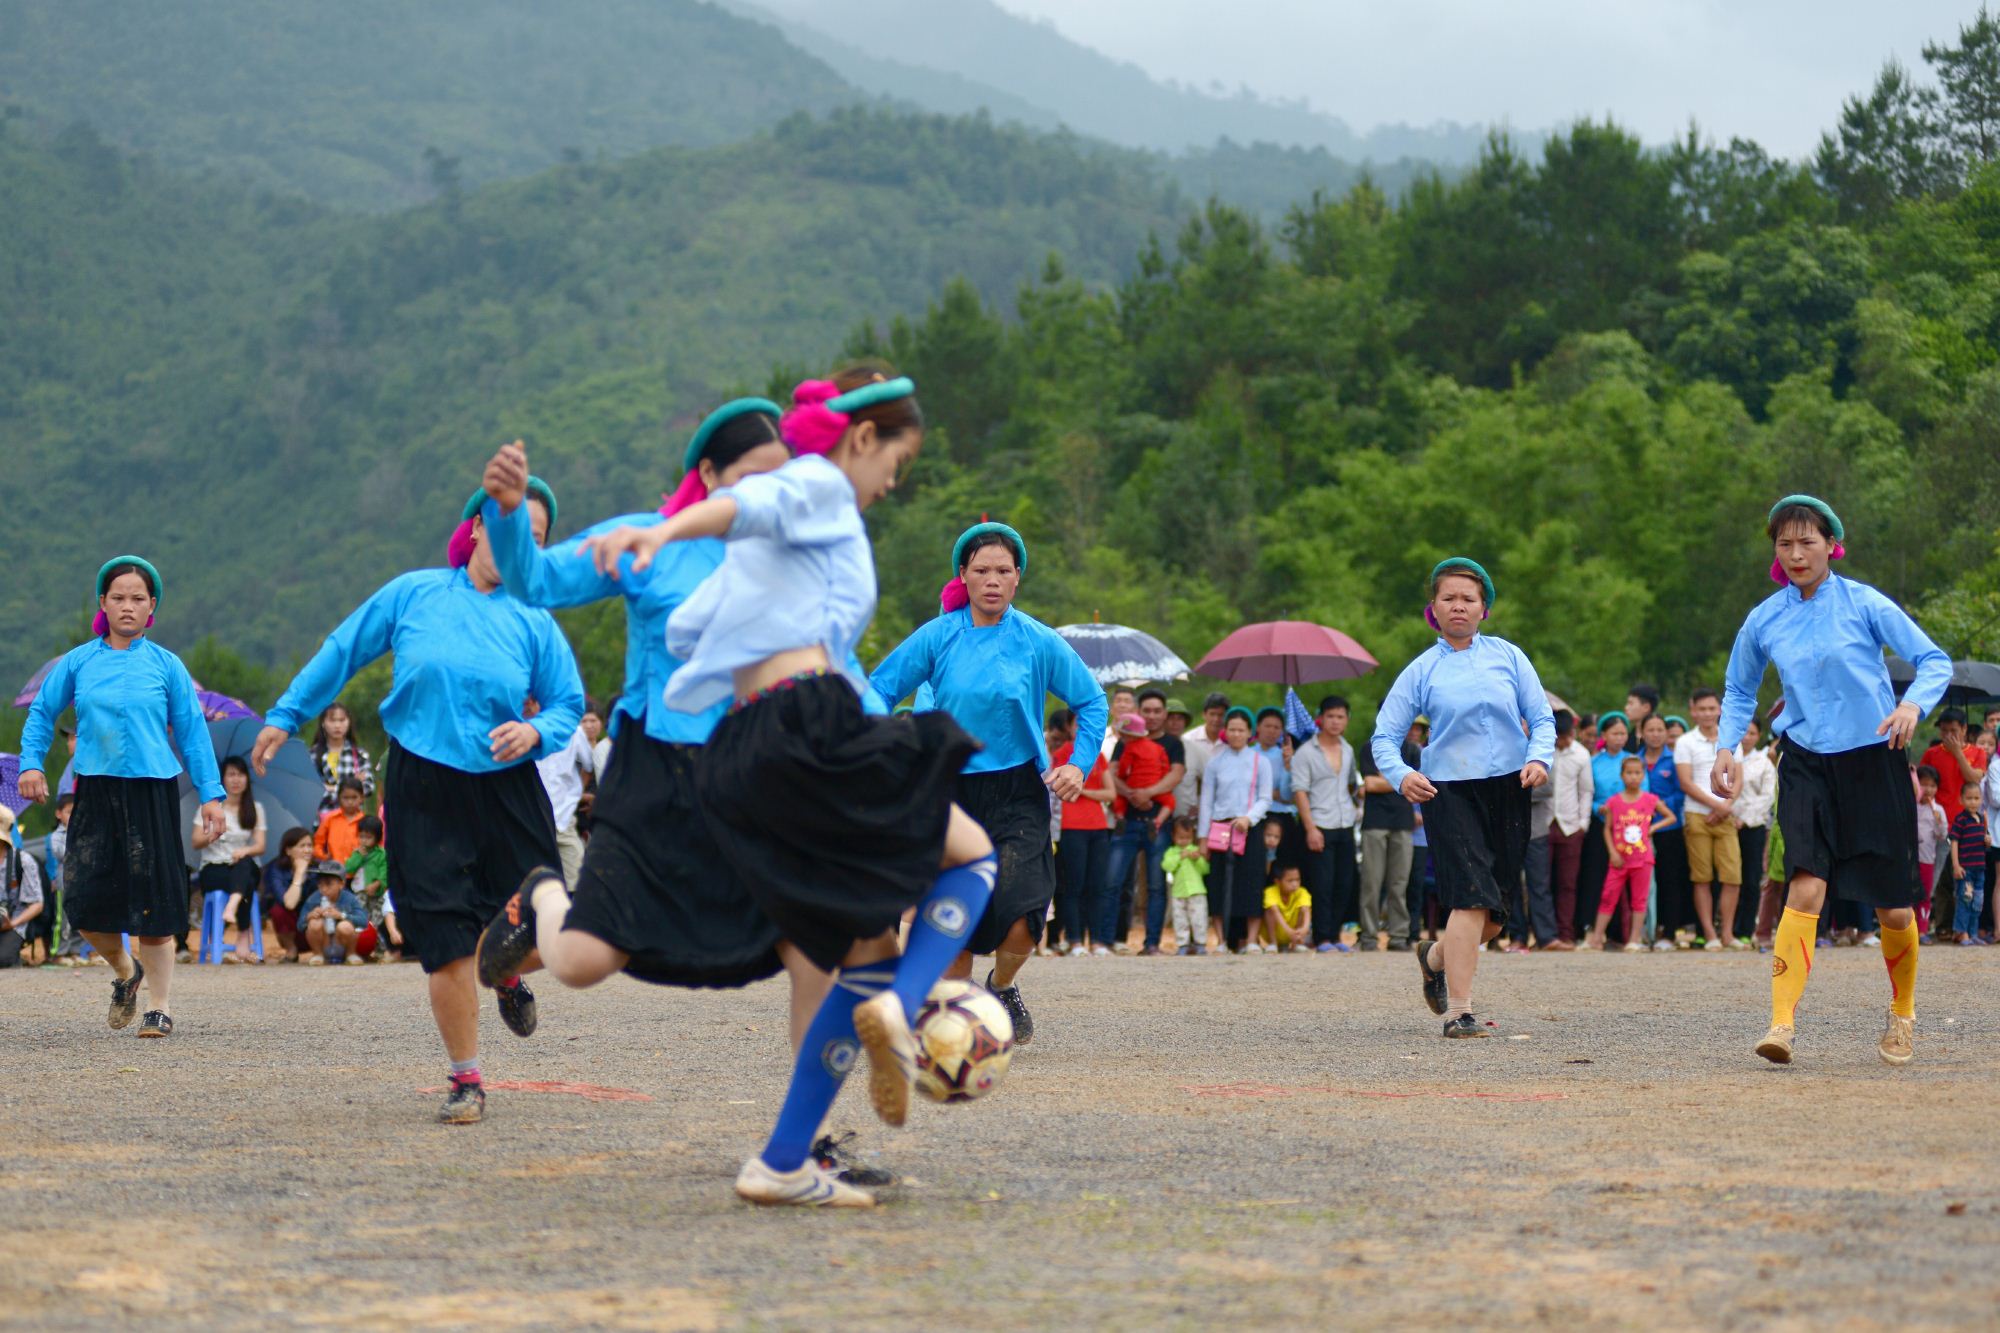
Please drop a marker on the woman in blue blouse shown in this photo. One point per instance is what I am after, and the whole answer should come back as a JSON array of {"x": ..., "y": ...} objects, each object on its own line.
[
  {"x": 839, "y": 820},
  {"x": 466, "y": 816},
  {"x": 993, "y": 667},
  {"x": 1846, "y": 807},
  {"x": 1479, "y": 692},
  {"x": 124, "y": 871}
]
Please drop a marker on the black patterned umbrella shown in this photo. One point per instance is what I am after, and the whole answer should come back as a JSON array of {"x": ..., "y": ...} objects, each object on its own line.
[
  {"x": 1118, "y": 655},
  {"x": 1971, "y": 682}
]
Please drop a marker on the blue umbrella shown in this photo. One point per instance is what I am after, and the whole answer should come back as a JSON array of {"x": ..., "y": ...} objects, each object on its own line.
[
  {"x": 289, "y": 791},
  {"x": 1118, "y": 655}
]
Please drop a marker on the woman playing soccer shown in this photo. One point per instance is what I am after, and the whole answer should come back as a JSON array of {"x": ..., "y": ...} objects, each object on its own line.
[
  {"x": 992, "y": 668},
  {"x": 1477, "y": 691},
  {"x": 838, "y": 820},
  {"x": 123, "y": 872},
  {"x": 468, "y": 817},
  {"x": 1847, "y": 809}
]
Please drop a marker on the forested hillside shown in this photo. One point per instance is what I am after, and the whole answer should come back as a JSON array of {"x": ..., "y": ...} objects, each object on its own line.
[{"x": 379, "y": 103}]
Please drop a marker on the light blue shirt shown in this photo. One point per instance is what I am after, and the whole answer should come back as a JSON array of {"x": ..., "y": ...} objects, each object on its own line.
[
  {"x": 1236, "y": 783},
  {"x": 1828, "y": 651},
  {"x": 1476, "y": 700},
  {"x": 799, "y": 574},
  {"x": 561, "y": 576},
  {"x": 995, "y": 683},
  {"x": 1281, "y": 785},
  {"x": 125, "y": 700},
  {"x": 466, "y": 661}
]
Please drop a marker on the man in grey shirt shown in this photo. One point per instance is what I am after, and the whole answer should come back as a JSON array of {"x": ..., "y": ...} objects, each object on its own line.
[{"x": 1326, "y": 787}]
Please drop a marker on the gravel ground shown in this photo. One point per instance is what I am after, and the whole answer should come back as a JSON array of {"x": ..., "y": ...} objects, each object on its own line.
[{"x": 1282, "y": 1140}]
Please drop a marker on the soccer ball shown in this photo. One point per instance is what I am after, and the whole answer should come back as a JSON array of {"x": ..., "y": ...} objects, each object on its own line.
[{"x": 964, "y": 1042}]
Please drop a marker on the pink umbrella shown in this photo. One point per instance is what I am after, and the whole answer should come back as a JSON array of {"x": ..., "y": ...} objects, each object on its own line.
[
  {"x": 1556, "y": 702},
  {"x": 1287, "y": 652}
]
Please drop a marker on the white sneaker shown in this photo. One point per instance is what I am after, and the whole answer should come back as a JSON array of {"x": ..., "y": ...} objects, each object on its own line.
[
  {"x": 1663, "y": 946},
  {"x": 811, "y": 1186},
  {"x": 884, "y": 1030},
  {"x": 1871, "y": 941},
  {"x": 1099, "y": 951}
]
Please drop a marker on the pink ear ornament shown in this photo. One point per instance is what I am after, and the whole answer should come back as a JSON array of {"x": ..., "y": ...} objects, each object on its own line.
[
  {"x": 458, "y": 551},
  {"x": 953, "y": 596}
]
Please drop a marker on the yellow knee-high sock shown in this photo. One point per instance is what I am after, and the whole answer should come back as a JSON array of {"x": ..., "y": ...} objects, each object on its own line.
[
  {"x": 1899, "y": 955},
  {"x": 1791, "y": 962}
]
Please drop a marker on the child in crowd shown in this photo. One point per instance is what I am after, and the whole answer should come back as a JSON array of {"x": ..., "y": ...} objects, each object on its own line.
[
  {"x": 340, "y": 828},
  {"x": 69, "y": 949},
  {"x": 1968, "y": 855},
  {"x": 1274, "y": 837},
  {"x": 1288, "y": 913},
  {"x": 335, "y": 921},
  {"x": 1186, "y": 866},
  {"x": 1142, "y": 762},
  {"x": 368, "y": 871},
  {"x": 1631, "y": 818},
  {"x": 1933, "y": 834},
  {"x": 392, "y": 936}
]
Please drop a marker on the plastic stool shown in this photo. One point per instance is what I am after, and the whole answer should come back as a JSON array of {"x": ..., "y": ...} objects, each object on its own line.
[{"x": 213, "y": 926}]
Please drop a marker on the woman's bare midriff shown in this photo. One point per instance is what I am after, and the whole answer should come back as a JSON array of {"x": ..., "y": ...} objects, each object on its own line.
[{"x": 778, "y": 666}]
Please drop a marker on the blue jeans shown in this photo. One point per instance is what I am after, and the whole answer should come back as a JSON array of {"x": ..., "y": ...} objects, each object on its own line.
[
  {"x": 1156, "y": 884},
  {"x": 1968, "y": 902},
  {"x": 1133, "y": 837},
  {"x": 1082, "y": 854}
]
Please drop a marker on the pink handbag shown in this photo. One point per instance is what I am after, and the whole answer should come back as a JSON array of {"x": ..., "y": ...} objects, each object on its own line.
[{"x": 1223, "y": 834}]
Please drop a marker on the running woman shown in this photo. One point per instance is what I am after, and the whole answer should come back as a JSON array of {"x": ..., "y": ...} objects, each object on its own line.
[
  {"x": 655, "y": 898},
  {"x": 992, "y": 667},
  {"x": 123, "y": 872},
  {"x": 468, "y": 815},
  {"x": 1477, "y": 770},
  {"x": 1847, "y": 809},
  {"x": 838, "y": 820}
]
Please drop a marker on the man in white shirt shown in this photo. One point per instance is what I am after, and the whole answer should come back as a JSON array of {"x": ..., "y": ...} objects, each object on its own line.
[
  {"x": 1713, "y": 852},
  {"x": 1753, "y": 806},
  {"x": 1197, "y": 744},
  {"x": 1574, "y": 792}
]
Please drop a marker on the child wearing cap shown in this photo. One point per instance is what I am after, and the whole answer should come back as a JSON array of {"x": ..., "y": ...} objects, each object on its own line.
[{"x": 336, "y": 919}]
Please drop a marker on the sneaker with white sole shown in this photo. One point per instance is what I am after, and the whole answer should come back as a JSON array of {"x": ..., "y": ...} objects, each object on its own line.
[
  {"x": 810, "y": 1186},
  {"x": 1777, "y": 1044},
  {"x": 884, "y": 1032},
  {"x": 1898, "y": 1039}
]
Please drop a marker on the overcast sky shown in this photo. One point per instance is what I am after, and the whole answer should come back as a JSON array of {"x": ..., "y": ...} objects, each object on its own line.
[{"x": 1772, "y": 70}]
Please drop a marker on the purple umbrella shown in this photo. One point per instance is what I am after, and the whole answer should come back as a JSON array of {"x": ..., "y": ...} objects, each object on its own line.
[
  {"x": 220, "y": 707},
  {"x": 10, "y": 778},
  {"x": 28, "y": 691}
]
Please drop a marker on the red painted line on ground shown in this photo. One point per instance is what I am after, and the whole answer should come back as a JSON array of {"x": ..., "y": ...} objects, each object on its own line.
[
  {"x": 1268, "y": 1090},
  {"x": 596, "y": 1092}
]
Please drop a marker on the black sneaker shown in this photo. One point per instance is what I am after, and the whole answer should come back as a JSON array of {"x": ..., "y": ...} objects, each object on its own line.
[
  {"x": 125, "y": 997},
  {"x": 1465, "y": 1025},
  {"x": 517, "y": 1008},
  {"x": 832, "y": 1154},
  {"x": 156, "y": 1024},
  {"x": 1434, "y": 995},
  {"x": 1017, "y": 1009},
  {"x": 466, "y": 1104},
  {"x": 510, "y": 936}
]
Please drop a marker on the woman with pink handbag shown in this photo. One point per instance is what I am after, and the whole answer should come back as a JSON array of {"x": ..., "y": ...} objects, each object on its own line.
[{"x": 1235, "y": 794}]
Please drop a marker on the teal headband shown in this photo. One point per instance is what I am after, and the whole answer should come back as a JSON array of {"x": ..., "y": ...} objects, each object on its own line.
[
  {"x": 1672, "y": 718},
  {"x": 145, "y": 566},
  {"x": 1242, "y": 712},
  {"x": 1606, "y": 719},
  {"x": 536, "y": 487},
  {"x": 979, "y": 530},
  {"x": 1818, "y": 506},
  {"x": 720, "y": 417},
  {"x": 881, "y": 391},
  {"x": 1468, "y": 566}
]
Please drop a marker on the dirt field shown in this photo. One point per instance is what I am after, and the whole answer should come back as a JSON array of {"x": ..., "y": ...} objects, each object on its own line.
[{"x": 1282, "y": 1141}]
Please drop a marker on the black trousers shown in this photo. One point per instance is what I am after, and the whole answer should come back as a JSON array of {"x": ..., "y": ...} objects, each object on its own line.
[{"x": 1333, "y": 877}]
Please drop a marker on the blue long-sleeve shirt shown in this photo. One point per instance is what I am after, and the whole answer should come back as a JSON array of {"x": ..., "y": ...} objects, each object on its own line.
[
  {"x": 1828, "y": 651},
  {"x": 799, "y": 573},
  {"x": 1281, "y": 784},
  {"x": 995, "y": 682},
  {"x": 562, "y": 576},
  {"x": 1663, "y": 779},
  {"x": 1606, "y": 778},
  {"x": 1476, "y": 698},
  {"x": 466, "y": 661},
  {"x": 125, "y": 700}
]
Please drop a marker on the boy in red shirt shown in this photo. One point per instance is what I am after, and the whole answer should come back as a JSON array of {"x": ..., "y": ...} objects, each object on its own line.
[
  {"x": 1956, "y": 762},
  {"x": 1141, "y": 763}
]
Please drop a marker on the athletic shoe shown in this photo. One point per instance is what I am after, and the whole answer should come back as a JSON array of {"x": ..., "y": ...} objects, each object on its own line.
[
  {"x": 1777, "y": 1044},
  {"x": 884, "y": 1031},
  {"x": 465, "y": 1104},
  {"x": 517, "y": 1008},
  {"x": 1663, "y": 946},
  {"x": 1433, "y": 981},
  {"x": 810, "y": 1186},
  {"x": 832, "y": 1155},
  {"x": 1017, "y": 1009},
  {"x": 1871, "y": 941},
  {"x": 158, "y": 1024},
  {"x": 1898, "y": 1039},
  {"x": 510, "y": 936},
  {"x": 125, "y": 997},
  {"x": 1465, "y": 1025}
]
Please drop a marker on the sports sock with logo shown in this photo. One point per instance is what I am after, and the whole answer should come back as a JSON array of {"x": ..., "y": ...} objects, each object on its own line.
[
  {"x": 1899, "y": 955},
  {"x": 1791, "y": 962},
  {"x": 825, "y": 1056},
  {"x": 945, "y": 918}
]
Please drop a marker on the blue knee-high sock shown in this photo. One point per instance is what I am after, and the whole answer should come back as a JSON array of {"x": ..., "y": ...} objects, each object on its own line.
[
  {"x": 945, "y": 918},
  {"x": 824, "y": 1058}
]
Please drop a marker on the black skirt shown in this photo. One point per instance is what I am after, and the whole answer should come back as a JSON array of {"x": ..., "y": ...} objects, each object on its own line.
[
  {"x": 1478, "y": 833},
  {"x": 1851, "y": 819},
  {"x": 125, "y": 869},
  {"x": 655, "y": 885},
  {"x": 1012, "y": 805},
  {"x": 459, "y": 844},
  {"x": 834, "y": 820}
]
